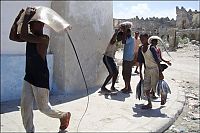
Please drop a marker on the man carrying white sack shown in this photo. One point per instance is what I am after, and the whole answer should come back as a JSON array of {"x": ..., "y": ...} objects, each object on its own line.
[{"x": 36, "y": 80}]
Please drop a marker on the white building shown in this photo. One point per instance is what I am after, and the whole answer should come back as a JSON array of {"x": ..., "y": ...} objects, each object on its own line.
[{"x": 92, "y": 29}]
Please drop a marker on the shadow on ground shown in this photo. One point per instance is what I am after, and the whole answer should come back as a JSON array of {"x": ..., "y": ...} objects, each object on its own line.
[
  {"x": 119, "y": 96},
  {"x": 148, "y": 113},
  {"x": 56, "y": 98}
]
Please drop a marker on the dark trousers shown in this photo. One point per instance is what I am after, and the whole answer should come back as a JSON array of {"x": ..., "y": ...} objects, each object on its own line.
[
  {"x": 127, "y": 70},
  {"x": 110, "y": 65}
]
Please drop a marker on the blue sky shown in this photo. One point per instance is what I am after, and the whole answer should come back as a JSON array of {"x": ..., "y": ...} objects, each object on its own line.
[{"x": 130, "y": 9}]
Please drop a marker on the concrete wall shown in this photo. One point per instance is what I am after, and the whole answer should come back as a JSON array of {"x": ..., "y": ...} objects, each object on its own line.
[
  {"x": 91, "y": 32},
  {"x": 13, "y": 65},
  {"x": 12, "y": 75},
  {"x": 92, "y": 29}
]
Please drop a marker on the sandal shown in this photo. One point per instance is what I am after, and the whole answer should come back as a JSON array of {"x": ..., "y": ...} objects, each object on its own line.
[
  {"x": 122, "y": 90},
  {"x": 105, "y": 90},
  {"x": 129, "y": 90},
  {"x": 113, "y": 89},
  {"x": 64, "y": 122},
  {"x": 148, "y": 106},
  {"x": 125, "y": 91}
]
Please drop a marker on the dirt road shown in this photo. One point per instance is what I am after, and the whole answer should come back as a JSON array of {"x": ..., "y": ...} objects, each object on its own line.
[{"x": 185, "y": 71}]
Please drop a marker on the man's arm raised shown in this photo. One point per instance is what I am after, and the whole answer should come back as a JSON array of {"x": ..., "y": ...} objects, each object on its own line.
[
  {"x": 113, "y": 39},
  {"x": 13, "y": 32},
  {"x": 24, "y": 30}
]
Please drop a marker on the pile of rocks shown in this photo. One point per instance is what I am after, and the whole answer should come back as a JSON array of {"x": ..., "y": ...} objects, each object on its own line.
[
  {"x": 189, "y": 119},
  {"x": 195, "y": 42}
]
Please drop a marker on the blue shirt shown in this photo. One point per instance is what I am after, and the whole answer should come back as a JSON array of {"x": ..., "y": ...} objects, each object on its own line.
[{"x": 129, "y": 49}]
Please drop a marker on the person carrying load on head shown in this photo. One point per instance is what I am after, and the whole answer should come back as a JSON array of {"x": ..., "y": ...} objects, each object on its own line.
[{"x": 36, "y": 80}]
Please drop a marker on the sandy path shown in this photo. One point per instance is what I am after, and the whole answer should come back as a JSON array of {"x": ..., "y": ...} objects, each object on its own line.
[{"x": 185, "y": 71}]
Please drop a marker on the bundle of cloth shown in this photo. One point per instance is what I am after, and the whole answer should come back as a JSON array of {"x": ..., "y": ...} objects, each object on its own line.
[
  {"x": 126, "y": 25},
  {"x": 48, "y": 17}
]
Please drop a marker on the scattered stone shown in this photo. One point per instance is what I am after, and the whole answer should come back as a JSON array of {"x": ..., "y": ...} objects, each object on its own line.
[
  {"x": 176, "y": 130},
  {"x": 196, "y": 105},
  {"x": 196, "y": 122},
  {"x": 193, "y": 42},
  {"x": 182, "y": 123},
  {"x": 172, "y": 127},
  {"x": 195, "y": 117},
  {"x": 193, "y": 102},
  {"x": 185, "y": 118},
  {"x": 181, "y": 129},
  {"x": 173, "y": 79},
  {"x": 191, "y": 96},
  {"x": 196, "y": 56}
]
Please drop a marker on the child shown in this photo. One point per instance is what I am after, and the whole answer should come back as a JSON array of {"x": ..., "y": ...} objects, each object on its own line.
[{"x": 147, "y": 55}]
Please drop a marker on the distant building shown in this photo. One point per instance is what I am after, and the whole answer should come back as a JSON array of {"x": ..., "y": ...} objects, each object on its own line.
[
  {"x": 154, "y": 25},
  {"x": 187, "y": 19}
]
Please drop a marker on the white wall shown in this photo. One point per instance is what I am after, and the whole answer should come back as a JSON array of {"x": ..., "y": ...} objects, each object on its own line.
[
  {"x": 9, "y": 11},
  {"x": 91, "y": 31},
  {"x": 12, "y": 75},
  {"x": 12, "y": 65}
]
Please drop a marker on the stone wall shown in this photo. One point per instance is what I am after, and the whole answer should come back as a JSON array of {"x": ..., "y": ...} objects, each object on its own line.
[
  {"x": 187, "y": 24},
  {"x": 187, "y": 19},
  {"x": 192, "y": 34},
  {"x": 91, "y": 31},
  {"x": 148, "y": 25},
  {"x": 184, "y": 20}
]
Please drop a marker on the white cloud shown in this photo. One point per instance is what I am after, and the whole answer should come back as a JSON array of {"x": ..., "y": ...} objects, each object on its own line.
[
  {"x": 140, "y": 10},
  {"x": 143, "y": 10}
]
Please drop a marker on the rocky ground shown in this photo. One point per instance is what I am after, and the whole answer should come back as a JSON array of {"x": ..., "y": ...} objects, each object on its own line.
[{"x": 187, "y": 56}]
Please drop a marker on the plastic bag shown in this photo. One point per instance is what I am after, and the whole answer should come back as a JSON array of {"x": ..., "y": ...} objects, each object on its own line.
[
  {"x": 126, "y": 24},
  {"x": 162, "y": 88},
  {"x": 47, "y": 16}
]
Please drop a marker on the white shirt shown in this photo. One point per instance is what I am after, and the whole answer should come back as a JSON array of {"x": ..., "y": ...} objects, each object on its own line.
[
  {"x": 149, "y": 60},
  {"x": 111, "y": 49}
]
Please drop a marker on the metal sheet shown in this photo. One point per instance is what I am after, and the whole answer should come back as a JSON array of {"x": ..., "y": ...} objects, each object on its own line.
[{"x": 47, "y": 16}]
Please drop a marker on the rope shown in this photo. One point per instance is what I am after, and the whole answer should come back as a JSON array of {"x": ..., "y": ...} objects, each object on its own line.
[
  {"x": 166, "y": 50},
  {"x": 83, "y": 79}
]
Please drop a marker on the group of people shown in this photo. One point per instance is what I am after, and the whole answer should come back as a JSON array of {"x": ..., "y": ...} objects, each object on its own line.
[
  {"x": 36, "y": 80},
  {"x": 137, "y": 52},
  {"x": 128, "y": 57}
]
